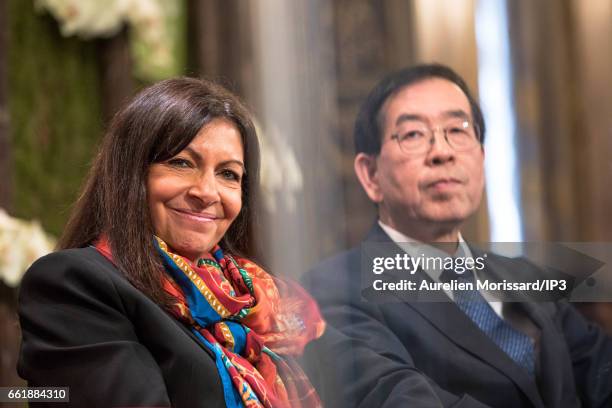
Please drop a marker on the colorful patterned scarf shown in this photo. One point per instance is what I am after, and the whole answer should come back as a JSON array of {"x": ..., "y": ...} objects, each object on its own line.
[{"x": 253, "y": 323}]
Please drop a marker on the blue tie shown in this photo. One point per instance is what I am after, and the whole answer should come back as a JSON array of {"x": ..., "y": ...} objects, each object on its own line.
[{"x": 514, "y": 343}]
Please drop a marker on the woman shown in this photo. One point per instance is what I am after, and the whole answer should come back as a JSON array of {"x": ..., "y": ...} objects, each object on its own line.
[{"x": 152, "y": 301}]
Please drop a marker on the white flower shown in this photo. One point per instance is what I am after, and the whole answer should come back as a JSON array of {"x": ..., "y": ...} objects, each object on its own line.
[
  {"x": 21, "y": 243},
  {"x": 86, "y": 18},
  {"x": 149, "y": 22}
]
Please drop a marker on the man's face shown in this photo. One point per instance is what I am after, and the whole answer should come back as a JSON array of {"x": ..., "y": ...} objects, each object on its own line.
[{"x": 440, "y": 185}]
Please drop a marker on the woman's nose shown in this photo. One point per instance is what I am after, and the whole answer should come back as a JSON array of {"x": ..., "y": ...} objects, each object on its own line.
[{"x": 205, "y": 188}]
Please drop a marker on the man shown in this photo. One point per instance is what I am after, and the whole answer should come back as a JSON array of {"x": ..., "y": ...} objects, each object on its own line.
[{"x": 419, "y": 158}]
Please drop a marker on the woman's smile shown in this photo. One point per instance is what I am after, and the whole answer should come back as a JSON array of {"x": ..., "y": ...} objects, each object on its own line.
[{"x": 195, "y": 216}]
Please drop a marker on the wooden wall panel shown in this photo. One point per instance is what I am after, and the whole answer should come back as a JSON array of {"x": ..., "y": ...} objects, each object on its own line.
[
  {"x": 547, "y": 118},
  {"x": 593, "y": 137},
  {"x": 362, "y": 59}
]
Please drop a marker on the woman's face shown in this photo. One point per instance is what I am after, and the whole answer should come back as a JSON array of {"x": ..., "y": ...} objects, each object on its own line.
[{"x": 196, "y": 195}]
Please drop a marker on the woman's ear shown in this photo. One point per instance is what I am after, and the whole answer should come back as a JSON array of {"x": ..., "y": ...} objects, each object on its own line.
[{"x": 366, "y": 170}]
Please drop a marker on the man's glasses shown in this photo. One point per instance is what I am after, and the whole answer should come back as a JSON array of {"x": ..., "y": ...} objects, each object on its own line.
[{"x": 415, "y": 137}]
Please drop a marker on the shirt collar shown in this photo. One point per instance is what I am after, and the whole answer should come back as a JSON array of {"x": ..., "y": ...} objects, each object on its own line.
[{"x": 416, "y": 248}]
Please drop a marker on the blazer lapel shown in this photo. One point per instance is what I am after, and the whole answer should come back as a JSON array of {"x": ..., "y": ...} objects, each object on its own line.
[
  {"x": 552, "y": 356},
  {"x": 461, "y": 330},
  {"x": 190, "y": 334}
]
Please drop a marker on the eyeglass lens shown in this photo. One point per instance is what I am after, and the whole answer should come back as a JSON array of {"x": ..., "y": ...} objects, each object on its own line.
[{"x": 416, "y": 136}]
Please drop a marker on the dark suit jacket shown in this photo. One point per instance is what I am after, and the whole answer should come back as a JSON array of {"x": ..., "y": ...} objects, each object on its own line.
[
  {"x": 86, "y": 327},
  {"x": 395, "y": 352}
]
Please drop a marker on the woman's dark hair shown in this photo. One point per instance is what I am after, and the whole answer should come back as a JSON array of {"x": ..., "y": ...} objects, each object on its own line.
[
  {"x": 368, "y": 132},
  {"x": 156, "y": 125}
]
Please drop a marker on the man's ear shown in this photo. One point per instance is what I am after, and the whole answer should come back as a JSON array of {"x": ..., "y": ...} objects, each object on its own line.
[{"x": 367, "y": 173}]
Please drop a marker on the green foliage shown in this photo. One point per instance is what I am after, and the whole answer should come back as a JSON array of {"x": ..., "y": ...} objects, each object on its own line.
[{"x": 55, "y": 113}]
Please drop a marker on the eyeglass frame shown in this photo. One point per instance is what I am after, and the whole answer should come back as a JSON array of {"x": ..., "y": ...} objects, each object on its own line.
[{"x": 432, "y": 139}]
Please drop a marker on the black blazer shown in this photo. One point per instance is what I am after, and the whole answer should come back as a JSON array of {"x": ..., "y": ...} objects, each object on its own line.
[
  {"x": 430, "y": 354},
  {"x": 86, "y": 327}
]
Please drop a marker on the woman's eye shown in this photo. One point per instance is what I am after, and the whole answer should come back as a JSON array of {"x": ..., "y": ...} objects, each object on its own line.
[
  {"x": 230, "y": 175},
  {"x": 180, "y": 163}
]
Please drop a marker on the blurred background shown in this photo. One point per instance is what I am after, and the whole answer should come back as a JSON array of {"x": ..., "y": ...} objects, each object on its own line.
[{"x": 542, "y": 70}]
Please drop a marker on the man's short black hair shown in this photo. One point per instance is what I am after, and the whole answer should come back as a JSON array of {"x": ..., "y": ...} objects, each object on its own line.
[{"x": 368, "y": 126}]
